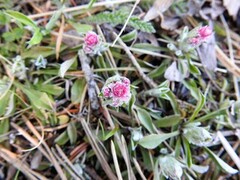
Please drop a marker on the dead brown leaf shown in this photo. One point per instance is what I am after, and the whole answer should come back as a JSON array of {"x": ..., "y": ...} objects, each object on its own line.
[
  {"x": 158, "y": 7},
  {"x": 232, "y": 7}
]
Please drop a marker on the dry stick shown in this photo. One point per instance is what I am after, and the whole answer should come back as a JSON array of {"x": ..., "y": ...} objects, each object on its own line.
[
  {"x": 148, "y": 80},
  {"x": 77, "y": 8},
  {"x": 85, "y": 61}
]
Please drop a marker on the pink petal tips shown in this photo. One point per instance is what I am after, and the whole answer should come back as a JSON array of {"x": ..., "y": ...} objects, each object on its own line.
[
  {"x": 202, "y": 34},
  {"x": 91, "y": 39},
  {"x": 116, "y": 91}
]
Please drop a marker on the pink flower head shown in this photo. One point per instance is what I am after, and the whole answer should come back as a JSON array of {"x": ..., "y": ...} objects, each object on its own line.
[
  {"x": 204, "y": 32},
  {"x": 120, "y": 90},
  {"x": 116, "y": 91},
  {"x": 91, "y": 39}
]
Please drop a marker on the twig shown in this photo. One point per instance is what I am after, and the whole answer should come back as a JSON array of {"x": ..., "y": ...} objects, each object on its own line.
[
  {"x": 90, "y": 79},
  {"x": 149, "y": 81},
  {"x": 78, "y": 8},
  {"x": 124, "y": 26}
]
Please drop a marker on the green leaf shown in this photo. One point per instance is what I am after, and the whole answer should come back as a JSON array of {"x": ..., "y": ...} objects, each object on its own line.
[
  {"x": 4, "y": 126},
  {"x": 90, "y": 4},
  {"x": 38, "y": 99},
  {"x": 129, "y": 36},
  {"x": 153, "y": 140},
  {"x": 72, "y": 132},
  {"x": 4, "y": 99},
  {"x": 50, "y": 89},
  {"x": 81, "y": 28},
  {"x": 34, "y": 52},
  {"x": 193, "y": 69},
  {"x": 224, "y": 166},
  {"x": 147, "y": 46},
  {"x": 110, "y": 134},
  {"x": 188, "y": 153},
  {"x": 62, "y": 138},
  {"x": 119, "y": 17},
  {"x": 199, "y": 106},
  {"x": 13, "y": 35},
  {"x": 36, "y": 38},
  {"x": 212, "y": 115},
  {"x": 192, "y": 87},
  {"x": 65, "y": 66},
  {"x": 77, "y": 90},
  {"x": 145, "y": 119},
  {"x": 168, "y": 121},
  {"x": 21, "y": 18},
  {"x": 54, "y": 18}
]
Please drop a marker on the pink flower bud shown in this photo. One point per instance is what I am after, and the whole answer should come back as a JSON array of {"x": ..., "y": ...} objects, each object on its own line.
[
  {"x": 195, "y": 41},
  {"x": 91, "y": 39},
  {"x": 106, "y": 92},
  {"x": 125, "y": 80},
  {"x": 204, "y": 32},
  {"x": 87, "y": 49}
]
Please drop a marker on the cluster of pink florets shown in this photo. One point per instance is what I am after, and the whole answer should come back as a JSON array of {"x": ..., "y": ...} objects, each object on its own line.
[
  {"x": 91, "y": 40},
  {"x": 116, "y": 91},
  {"x": 203, "y": 33}
]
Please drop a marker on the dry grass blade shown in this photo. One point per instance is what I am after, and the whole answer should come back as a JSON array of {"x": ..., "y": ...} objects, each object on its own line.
[
  {"x": 229, "y": 149},
  {"x": 115, "y": 160},
  {"x": 139, "y": 169},
  {"x": 99, "y": 153},
  {"x": 60, "y": 151},
  {"x": 148, "y": 80},
  {"x": 13, "y": 159},
  {"x": 69, "y": 170},
  {"x": 77, "y": 8},
  {"x": 60, "y": 36},
  {"x": 230, "y": 65},
  {"x": 124, "y": 151},
  {"x": 47, "y": 153}
]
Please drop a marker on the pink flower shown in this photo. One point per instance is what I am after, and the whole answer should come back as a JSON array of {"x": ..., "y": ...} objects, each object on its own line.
[
  {"x": 125, "y": 80},
  {"x": 107, "y": 92},
  {"x": 120, "y": 90},
  {"x": 195, "y": 41},
  {"x": 116, "y": 91},
  {"x": 91, "y": 39},
  {"x": 205, "y": 32}
]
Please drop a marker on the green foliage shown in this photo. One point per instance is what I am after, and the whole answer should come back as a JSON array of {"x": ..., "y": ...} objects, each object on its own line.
[{"x": 120, "y": 17}]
